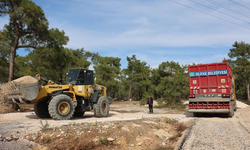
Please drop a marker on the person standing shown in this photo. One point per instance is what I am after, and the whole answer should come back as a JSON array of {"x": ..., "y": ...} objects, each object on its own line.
[{"x": 150, "y": 104}]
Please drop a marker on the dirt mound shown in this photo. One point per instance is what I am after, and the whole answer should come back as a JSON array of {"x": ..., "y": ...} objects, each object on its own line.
[
  {"x": 161, "y": 133},
  {"x": 25, "y": 80}
]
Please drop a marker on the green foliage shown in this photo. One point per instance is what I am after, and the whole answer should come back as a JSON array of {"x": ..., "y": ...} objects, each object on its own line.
[
  {"x": 47, "y": 140},
  {"x": 170, "y": 82},
  {"x": 4, "y": 57},
  {"x": 239, "y": 59},
  {"x": 137, "y": 76},
  {"x": 30, "y": 19},
  {"x": 103, "y": 140},
  {"x": 27, "y": 27},
  {"x": 51, "y": 63},
  {"x": 144, "y": 99},
  {"x": 107, "y": 71},
  {"x": 44, "y": 126}
]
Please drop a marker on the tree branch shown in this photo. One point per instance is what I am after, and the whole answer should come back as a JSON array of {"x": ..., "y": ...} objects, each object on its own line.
[
  {"x": 4, "y": 12},
  {"x": 26, "y": 46},
  {"x": 27, "y": 32}
]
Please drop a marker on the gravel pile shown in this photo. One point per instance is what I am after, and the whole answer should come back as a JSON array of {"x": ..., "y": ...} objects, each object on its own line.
[{"x": 217, "y": 134}]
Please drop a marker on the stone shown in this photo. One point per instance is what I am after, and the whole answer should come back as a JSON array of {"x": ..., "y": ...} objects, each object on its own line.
[
  {"x": 1, "y": 135},
  {"x": 95, "y": 140},
  {"x": 15, "y": 138},
  {"x": 105, "y": 126},
  {"x": 139, "y": 144},
  {"x": 125, "y": 129},
  {"x": 132, "y": 145},
  {"x": 8, "y": 139},
  {"x": 110, "y": 139},
  {"x": 94, "y": 123},
  {"x": 31, "y": 109}
]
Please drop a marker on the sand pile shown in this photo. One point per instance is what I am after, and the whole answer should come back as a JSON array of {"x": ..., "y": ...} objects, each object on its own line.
[{"x": 25, "y": 80}]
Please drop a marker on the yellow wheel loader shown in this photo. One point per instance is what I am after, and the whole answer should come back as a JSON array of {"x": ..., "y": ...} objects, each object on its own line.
[{"x": 61, "y": 102}]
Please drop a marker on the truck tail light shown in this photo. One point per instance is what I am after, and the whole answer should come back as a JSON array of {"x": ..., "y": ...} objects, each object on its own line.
[
  {"x": 192, "y": 96},
  {"x": 225, "y": 95}
]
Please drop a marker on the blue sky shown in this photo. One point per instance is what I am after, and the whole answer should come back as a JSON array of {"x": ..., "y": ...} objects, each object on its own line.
[{"x": 154, "y": 30}]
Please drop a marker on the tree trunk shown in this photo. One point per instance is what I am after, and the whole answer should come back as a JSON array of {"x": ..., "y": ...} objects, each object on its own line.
[
  {"x": 13, "y": 51},
  {"x": 129, "y": 92},
  {"x": 248, "y": 94},
  {"x": 12, "y": 63}
]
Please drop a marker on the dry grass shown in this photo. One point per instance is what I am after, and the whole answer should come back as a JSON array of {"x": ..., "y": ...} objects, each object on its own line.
[
  {"x": 170, "y": 121},
  {"x": 175, "y": 137},
  {"x": 181, "y": 127}
]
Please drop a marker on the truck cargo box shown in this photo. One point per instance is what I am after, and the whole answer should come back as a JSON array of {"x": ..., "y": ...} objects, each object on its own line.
[
  {"x": 210, "y": 78},
  {"x": 211, "y": 88}
]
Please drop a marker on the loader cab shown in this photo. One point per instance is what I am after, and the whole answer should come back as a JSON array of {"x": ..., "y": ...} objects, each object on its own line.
[{"x": 81, "y": 76}]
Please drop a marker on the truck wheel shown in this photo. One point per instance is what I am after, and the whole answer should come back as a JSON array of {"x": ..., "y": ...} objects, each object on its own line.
[
  {"x": 231, "y": 113},
  {"x": 61, "y": 107},
  {"x": 41, "y": 108},
  {"x": 102, "y": 107}
]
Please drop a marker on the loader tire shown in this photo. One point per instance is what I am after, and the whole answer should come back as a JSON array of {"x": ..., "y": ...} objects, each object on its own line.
[
  {"x": 102, "y": 107},
  {"x": 61, "y": 107},
  {"x": 41, "y": 108}
]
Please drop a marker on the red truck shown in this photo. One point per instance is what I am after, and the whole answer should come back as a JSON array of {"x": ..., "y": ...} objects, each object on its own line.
[{"x": 211, "y": 89}]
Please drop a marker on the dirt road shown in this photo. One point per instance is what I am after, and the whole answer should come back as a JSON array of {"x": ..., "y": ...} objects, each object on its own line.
[{"x": 218, "y": 133}]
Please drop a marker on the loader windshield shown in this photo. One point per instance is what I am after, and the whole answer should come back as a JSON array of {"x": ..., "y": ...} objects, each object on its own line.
[
  {"x": 80, "y": 77},
  {"x": 73, "y": 75}
]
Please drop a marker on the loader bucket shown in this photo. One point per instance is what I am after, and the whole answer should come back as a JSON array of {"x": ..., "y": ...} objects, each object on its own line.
[
  {"x": 29, "y": 91},
  {"x": 22, "y": 89}
]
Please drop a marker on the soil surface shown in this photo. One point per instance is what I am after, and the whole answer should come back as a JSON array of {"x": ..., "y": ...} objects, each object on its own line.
[{"x": 129, "y": 126}]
